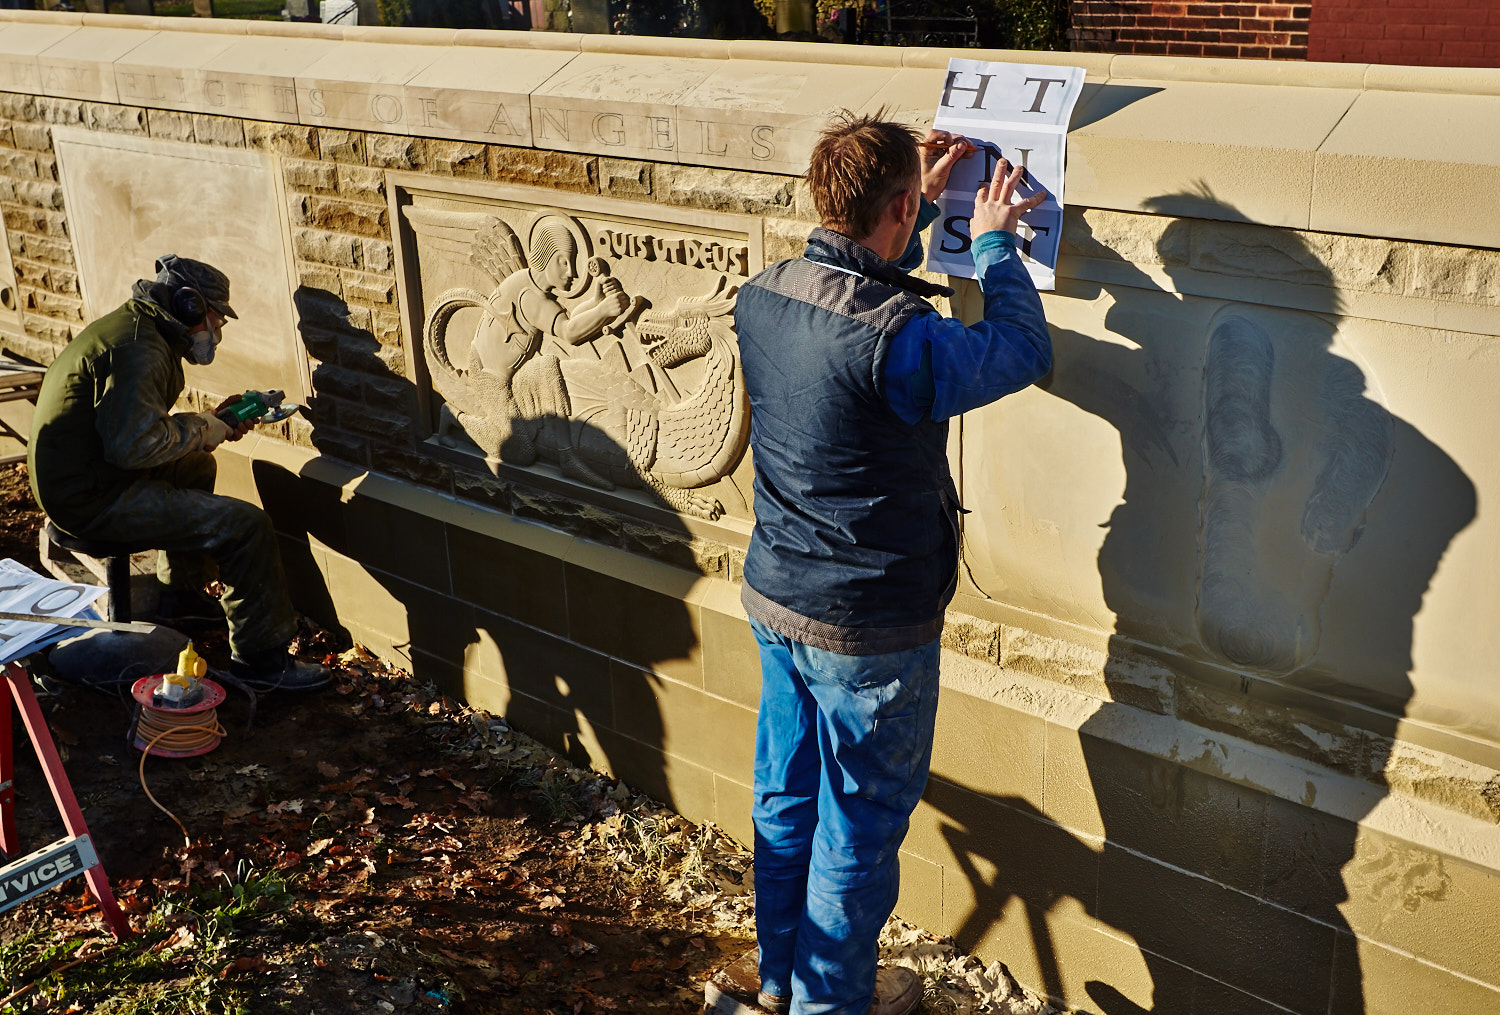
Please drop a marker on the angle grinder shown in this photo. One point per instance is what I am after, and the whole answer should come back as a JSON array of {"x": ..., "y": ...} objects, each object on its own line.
[{"x": 260, "y": 407}]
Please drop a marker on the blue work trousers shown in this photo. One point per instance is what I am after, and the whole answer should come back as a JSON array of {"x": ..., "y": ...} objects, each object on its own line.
[{"x": 842, "y": 749}]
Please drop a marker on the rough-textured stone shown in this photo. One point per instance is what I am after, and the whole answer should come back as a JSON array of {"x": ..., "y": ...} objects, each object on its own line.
[
  {"x": 722, "y": 190},
  {"x": 342, "y": 445},
  {"x": 1302, "y": 258},
  {"x": 1444, "y": 781},
  {"x": 39, "y": 194},
  {"x": 22, "y": 165},
  {"x": 395, "y": 394},
  {"x": 970, "y": 636},
  {"x": 409, "y": 465},
  {"x": 63, "y": 308},
  {"x": 785, "y": 238},
  {"x": 330, "y": 379},
  {"x": 1073, "y": 665},
  {"x": 389, "y": 151},
  {"x": 1116, "y": 236},
  {"x": 32, "y": 274},
  {"x": 1457, "y": 273},
  {"x": 317, "y": 246},
  {"x": 342, "y": 145},
  {"x": 483, "y": 488},
  {"x": 339, "y": 216},
  {"x": 457, "y": 158},
  {"x": 316, "y": 276},
  {"x": 56, "y": 111},
  {"x": 623, "y": 178},
  {"x": 370, "y": 289},
  {"x": 289, "y": 139},
  {"x": 378, "y": 256},
  {"x": 15, "y": 106},
  {"x": 386, "y": 326},
  {"x": 32, "y": 220},
  {"x": 358, "y": 183},
  {"x": 113, "y": 118},
  {"x": 310, "y": 177},
  {"x": 170, "y": 125},
  {"x": 393, "y": 426},
  {"x": 32, "y": 136},
  {"x": 50, "y": 332},
  {"x": 49, "y": 250},
  {"x": 64, "y": 281},
  {"x": 224, "y": 131},
  {"x": 557, "y": 170},
  {"x": 1300, "y": 734}
]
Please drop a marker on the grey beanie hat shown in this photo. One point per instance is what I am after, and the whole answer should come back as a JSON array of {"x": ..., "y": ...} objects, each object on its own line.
[{"x": 211, "y": 283}]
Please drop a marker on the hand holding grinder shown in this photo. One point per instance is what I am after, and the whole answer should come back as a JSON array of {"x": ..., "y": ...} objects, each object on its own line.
[{"x": 259, "y": 407}]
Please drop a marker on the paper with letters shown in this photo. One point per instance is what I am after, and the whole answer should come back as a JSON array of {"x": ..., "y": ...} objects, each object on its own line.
[
  {"x": 1015, "y": 111},
  {"x": 22, "y": 590}
]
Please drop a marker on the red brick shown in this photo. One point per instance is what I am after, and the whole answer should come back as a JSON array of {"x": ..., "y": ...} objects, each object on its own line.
[
  {"x": 1255, "y": 53},
  {"x": 1152, "y": 21},
  {"x": 1289, "y": 53},
  {"x": 1289, "y": 25},
  {"x": 1202, "y": 37},
  {"x": 1445, "y": 33},
  {"x": 1240, "y": 38},
  {"x": 1204, "y": 10},
  {"x": 1273, "y": 10},
  {"x": 1254, "y": 25},
  {"x": 1184, "y": 49},
  {"x": 1222, "y": 24},
  {"x": 1151, "y": 48},
  {"x": 1463, "y": 49},
  {"x": 1273, "y": 38},
  {"x": 1371, "y": 32},
  {"x": 1302, "y": 12},
  {"x": 1222, "y": 51}
]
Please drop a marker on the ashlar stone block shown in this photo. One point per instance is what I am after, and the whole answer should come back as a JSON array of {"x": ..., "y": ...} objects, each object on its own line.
[
  {"x": 20, "y": 46},
  {"x": 80, "y": 65},
  {"x": 442, "y": 100}
]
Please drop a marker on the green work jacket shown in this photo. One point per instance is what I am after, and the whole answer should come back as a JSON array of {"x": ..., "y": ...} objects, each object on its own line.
[{"x": 103, "y": 417}]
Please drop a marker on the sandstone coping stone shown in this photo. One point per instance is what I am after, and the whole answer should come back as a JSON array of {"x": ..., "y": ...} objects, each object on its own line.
[{"x": 1149, "y": 130}]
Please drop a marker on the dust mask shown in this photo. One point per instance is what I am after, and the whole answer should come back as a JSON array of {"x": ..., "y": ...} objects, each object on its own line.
[{"x": 202, "y": 345}]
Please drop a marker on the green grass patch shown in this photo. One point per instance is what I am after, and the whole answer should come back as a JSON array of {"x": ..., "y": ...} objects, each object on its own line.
[{"x": 175, "y": 965}]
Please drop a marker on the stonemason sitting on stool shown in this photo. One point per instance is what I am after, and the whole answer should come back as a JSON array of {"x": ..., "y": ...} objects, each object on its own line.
[{"x": 110, "y": 461}]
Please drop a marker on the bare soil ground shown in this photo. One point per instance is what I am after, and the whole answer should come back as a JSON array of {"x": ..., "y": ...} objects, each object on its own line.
[{"x": 378, "y": 848}]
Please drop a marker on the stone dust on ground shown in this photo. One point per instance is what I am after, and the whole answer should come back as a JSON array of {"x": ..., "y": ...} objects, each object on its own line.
[{"x": 380, "y": 848}]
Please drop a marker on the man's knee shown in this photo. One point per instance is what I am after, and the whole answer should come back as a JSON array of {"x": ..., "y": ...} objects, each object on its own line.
[{"x": 196, "y": 470}]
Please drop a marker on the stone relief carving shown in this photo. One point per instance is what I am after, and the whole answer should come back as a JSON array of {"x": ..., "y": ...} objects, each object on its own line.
[
  {"x": 1278, "y": 514},
  {"x": 554, "y": 361}
]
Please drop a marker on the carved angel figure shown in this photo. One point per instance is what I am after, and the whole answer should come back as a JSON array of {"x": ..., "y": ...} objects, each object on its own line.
[{"x": 535, "y": 387}]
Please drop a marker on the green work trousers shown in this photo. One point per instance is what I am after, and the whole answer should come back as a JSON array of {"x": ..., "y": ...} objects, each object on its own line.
[{"x": 175, "y": 510}]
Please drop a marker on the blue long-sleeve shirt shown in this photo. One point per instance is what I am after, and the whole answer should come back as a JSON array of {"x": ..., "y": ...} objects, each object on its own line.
[{"x": 937, "y": 367}]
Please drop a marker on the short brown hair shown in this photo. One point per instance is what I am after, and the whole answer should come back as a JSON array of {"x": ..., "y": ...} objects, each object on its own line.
[{"x": 858, "y": 164}]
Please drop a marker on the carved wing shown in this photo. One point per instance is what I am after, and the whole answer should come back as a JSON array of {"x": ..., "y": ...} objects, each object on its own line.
[
  {"x": 700, "y": 439},
  {"x": 497, "y": 249},
  {"x": 473, "y": 236}
]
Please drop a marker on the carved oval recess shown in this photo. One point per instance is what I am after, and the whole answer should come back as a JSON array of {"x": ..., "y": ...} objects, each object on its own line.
[{"x": 596, "y": 348}]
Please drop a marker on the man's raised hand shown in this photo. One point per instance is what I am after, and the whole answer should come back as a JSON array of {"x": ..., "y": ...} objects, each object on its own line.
[
  {"x": 940, "y": 152},
  {"x": 992, "y": 205}
]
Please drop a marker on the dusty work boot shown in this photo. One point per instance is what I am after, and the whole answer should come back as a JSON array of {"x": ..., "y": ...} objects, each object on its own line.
[
  {"x": 898, "y": 991},
  {"x": 278, "y": 670},
  {"x": 735, "y": 989}
]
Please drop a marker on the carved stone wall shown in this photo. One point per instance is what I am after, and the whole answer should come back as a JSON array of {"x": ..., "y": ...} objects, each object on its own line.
[{"x": 1217, "y": 729}]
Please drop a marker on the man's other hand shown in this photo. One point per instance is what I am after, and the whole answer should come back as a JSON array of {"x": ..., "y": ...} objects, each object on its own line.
[
  {"x": 238, "y": 430},
  {"x": 940, "y": 152},
  {"x": 992, "y": 205}
]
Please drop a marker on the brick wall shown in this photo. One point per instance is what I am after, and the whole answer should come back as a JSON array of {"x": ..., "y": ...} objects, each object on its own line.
[
  {"x": 1434, "y": 33},
  {"x": 1236, "y": 30}
]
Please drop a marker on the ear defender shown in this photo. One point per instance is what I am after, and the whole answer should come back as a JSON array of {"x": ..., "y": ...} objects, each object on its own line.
[{"x": 188, "y": 306}]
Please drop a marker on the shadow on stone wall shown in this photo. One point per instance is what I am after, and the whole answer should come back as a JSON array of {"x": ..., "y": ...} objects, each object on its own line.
[
  {"x": 568, "y": 650},
  {"x": 1300, "y": 465}
]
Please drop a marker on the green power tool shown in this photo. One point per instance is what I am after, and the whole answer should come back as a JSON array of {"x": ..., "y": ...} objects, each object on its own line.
[{"x": 260, "y": 407}]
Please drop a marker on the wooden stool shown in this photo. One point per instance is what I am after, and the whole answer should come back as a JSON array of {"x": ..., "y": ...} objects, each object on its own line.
[{"x": 116, "y": 558}]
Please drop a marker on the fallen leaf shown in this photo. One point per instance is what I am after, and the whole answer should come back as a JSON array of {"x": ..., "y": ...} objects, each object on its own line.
[
  {"x": 550, "y": 902},
  {"x": 327, "y": 770},
  {"x": 248, "y": 964},
  {"x": 319, "y": 846}
]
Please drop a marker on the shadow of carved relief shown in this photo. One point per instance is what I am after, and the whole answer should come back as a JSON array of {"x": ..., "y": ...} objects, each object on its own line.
[{"x": 595, "y": 349}]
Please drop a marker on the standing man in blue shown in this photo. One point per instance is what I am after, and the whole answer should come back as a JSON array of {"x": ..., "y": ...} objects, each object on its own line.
[{"x": 852, "y": 377}]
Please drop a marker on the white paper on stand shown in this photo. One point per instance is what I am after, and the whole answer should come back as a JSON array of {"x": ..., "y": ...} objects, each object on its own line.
[
  {"x": 1015, "y": 111},
  {"x": 22, "y": 590}
]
